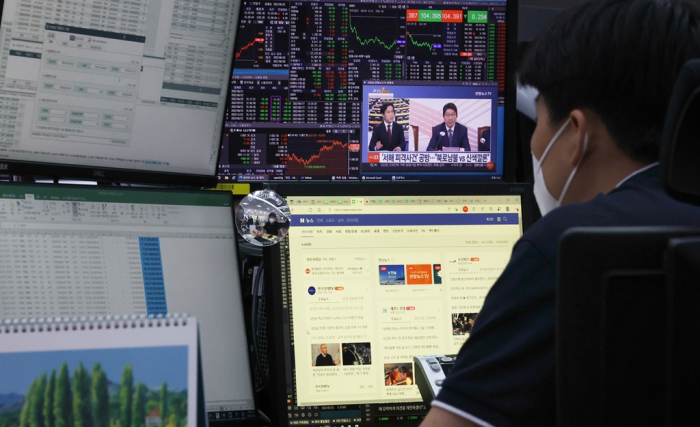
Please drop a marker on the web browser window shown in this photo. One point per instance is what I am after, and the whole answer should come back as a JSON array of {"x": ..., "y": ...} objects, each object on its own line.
[{"x": 375, "y": 281}]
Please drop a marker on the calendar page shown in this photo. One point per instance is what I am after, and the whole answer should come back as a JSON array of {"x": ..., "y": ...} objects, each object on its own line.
[{"x": 126, "y": 372}]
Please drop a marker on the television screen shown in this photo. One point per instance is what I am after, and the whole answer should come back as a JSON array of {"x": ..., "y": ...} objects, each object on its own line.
[{"x": 309, "y": 79}]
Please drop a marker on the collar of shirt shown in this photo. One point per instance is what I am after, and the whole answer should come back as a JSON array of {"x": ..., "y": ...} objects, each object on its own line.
[
  {"x": 450, "y": 129},
  {"x": 387, "y": 124},
  {"x": 645, "y": 168}
]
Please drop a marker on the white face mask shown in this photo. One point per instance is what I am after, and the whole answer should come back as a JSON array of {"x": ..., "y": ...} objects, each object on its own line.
[
  {"x": 272, "y": 220},
  {"x": 544, "y": 198}
]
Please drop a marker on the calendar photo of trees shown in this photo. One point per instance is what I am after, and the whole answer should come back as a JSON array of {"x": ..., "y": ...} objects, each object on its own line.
[{"x": 128, "y": 387}]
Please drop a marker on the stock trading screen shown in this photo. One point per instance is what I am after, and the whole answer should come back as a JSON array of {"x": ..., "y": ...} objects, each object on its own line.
[{"x": 300, "y": 107}]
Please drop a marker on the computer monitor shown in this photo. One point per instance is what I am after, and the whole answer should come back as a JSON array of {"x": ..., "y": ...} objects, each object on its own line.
[
  {"x": 371, "y": 276},
  {"x": 309, "y": 77},
  {"x": 70, "y": 251},
  {"x": 116, "y": 91}
]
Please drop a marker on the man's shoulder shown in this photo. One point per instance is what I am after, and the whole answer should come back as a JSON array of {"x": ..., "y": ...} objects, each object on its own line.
[
  {"x": 458, "y": 125},
  {"x": 639, "y": 204},
  {"x": 438, "y": 127}
]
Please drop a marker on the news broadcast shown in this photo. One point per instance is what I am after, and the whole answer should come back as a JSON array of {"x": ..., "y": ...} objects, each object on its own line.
[{"x": 448, "y": 127}]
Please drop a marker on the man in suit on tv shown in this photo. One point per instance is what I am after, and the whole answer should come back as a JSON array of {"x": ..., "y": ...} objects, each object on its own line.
[
  {"x": 387, "y": 136},
  {"x": 450, "y": 133}
]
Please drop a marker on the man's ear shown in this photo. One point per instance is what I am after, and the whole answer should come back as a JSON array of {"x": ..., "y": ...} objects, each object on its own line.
[{"x": 579, "y": 124}]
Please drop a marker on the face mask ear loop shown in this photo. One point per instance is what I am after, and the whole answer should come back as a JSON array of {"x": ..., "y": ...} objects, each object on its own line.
[
  {"x": 551, "y": 143},
  {"x": 573, "y": 173}
]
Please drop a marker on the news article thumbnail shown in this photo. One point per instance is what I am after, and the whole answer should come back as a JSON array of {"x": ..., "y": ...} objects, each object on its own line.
[
  {"x": 437, "y": 274},
  {"x": 323, "y": 355},
  {"x": 392, "y": 275},
  {"x": 419, "y": 274},
  {"x": 462, "y": 323},
  {"x": 357, "y": 353},
  {"x": 396, "y": 374},
  {"x": 410, "y": 274}
]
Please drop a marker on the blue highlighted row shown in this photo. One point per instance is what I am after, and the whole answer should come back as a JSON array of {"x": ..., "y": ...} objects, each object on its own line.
[{"x": 152, "y": 271}]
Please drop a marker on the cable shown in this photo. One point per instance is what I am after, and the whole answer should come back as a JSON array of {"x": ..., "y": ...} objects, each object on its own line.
[
  {"x": 258, "y": 284},
  {"x": 264, "y": 417}
]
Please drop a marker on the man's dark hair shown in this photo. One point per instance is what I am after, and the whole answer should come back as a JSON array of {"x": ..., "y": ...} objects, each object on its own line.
[
  {"x": 386, "y": 105},
  {"x": 620, "y": 58},
  {"x": 449, "y": 106},
  {"x": 272, "y": 215}
]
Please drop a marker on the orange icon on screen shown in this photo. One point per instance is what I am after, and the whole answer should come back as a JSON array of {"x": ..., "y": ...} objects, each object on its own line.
[
  {"x": 490, "y": 166},
  {"x": 465, "y": 209},
  {"x": 410, "y": 308},
  {"x": 308, "y": 271},
  {"x": 474, "y": 259},
  {"x": 339, "y": 288},
  {"x": 419, "y": 274}
]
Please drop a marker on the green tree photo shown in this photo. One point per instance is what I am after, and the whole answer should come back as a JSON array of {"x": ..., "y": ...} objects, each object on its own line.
[
  {"x": 88, "y": 399},
  {"x": 164, "y": 404},
  {"x": 126, "y": 394},
  {"x": 139, "y": 408},
  {"x": 63, "y": 402},
  {"x": 82, "y": 402},
  {"x": 100, "y": 397},
  {"x": 49, "y": 420}
]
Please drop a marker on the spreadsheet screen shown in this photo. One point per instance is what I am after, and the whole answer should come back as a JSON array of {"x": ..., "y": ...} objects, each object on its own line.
[
  {"x": 88, "y": 252},
  {"x": 137, "y": 85}
]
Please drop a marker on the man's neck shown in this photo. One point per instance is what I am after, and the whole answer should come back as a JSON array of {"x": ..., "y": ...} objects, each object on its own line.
[{"x": 601, "y": 176}]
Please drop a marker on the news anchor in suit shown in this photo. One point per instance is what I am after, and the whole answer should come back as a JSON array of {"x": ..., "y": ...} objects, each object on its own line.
[
  {"x": 450, "y": 133},
  {"x": 387, "y": 136}
]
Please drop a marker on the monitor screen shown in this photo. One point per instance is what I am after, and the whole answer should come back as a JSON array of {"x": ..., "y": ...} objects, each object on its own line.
[
  {"x": 371, "y": 279},
  {"x": 309, "y": 79},
  {"x": 97, "y": 89},
  {"x": 87, "y": 252}
]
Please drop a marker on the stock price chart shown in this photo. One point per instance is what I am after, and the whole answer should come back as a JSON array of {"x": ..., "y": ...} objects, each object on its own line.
[
  {"x": 291, "y": 153},
  {"x": 303, "y": 64}
]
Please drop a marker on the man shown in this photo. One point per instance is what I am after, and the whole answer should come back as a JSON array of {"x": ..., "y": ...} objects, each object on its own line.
[
  {"x": 271, "y": 228},
  {"x": 605, "y": 71},
  {"x": 471, "y": 319},
  {"x": 325, "y": 359},
  {"x": 449, "y": 134},
  {"x": 387, "y": 136}
]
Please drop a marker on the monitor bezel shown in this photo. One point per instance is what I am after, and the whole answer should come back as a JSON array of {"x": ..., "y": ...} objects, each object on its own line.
[{"x": 280, "y": 366}]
